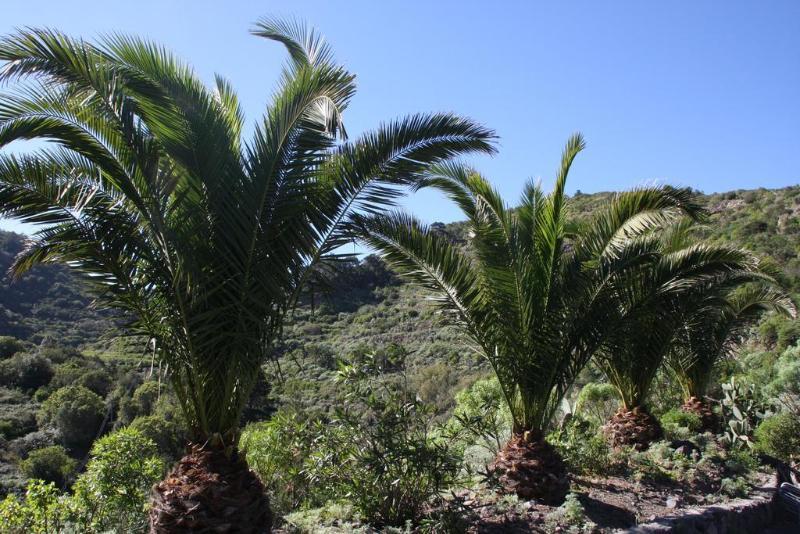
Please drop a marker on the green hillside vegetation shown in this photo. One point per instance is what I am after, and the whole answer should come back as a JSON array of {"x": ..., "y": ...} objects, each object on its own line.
[{"x": 366, "y": 314}]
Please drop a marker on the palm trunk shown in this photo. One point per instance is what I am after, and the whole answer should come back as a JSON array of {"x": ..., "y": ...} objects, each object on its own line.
[
  {"x": 211, "y": 489},
  {"x": 709, "y": 422},
  {"x": 531, "y": 468},
  {"x": 634, "y": 427}
]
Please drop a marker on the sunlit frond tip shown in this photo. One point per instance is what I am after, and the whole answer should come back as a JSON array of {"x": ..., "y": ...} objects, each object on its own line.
[{"x": 306, "y": 46}]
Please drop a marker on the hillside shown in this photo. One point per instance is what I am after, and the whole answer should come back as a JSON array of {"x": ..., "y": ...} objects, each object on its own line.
[
  {"x": 46, "y": 303},
  {"x": 371, "y": 311},
  {"x": 369, "y": 308},
  {"x": 367, "y": 315}
]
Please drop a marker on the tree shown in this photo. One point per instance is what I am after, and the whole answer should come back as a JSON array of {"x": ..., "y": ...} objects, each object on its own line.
[
  {"x": 9, "y": 346},
  {"x": 51, "y": 464},
  {"x": 76, "y": 412},
  {"x": 653, "y": 313},
  {"x": 712, "y": 327},
  {"x": 533, "y": 290},
  {"x": 111, "y": 495},
  {"x": 204, "y": 239}
]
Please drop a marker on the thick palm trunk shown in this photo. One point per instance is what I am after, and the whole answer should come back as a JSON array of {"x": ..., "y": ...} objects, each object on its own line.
[
  {"x": 210, "y": 490},
  {"x": 532, "y": 469},
  {"x": 709, "y": 422},
  {"x": 635, "y": 427}
]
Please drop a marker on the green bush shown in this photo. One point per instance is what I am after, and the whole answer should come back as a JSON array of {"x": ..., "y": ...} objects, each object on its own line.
[
  {"x": 278, "y": 451},
  {"x": 51, "y": 464},
  {"x": 166, "y": 434},
  {"x": 9, "y": 346},
  {"x": 97, "y": 380},
  {"x": 779, "y": 436},
  {"x": 481, "y": 417},
  {"x": 76, "y": 413},
  {"x": 583, "y": 448},
  {"x": 41, "y": 510},
  {"x": 25, "y": 371},
  {"x": 380, "y": 450},
  {"x": 113, "y": 493},
  {"x": 680, "y": 424},
  {"x": 597, "y": 402}
]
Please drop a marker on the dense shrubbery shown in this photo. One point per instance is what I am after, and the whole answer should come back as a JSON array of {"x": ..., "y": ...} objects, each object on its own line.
[
  {"x": 779, "y": 436},
  {"x": 76, "y": 413},
  {"x": 110, "y": 496},
  {"x": 379, "y": 449},
  {"x": 51, "y": 464}
]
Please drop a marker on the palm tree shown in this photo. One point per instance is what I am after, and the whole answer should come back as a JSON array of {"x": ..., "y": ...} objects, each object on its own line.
[
  {"x": 147, "y": 187},
  {"x": 654, "y": 301},
  {"x": 534, "y": 295},
  {"x": 712, "y": 328}
]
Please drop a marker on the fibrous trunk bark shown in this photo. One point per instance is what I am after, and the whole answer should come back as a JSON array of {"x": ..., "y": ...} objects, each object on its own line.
[
  {"x": 210, "y": 490},
  {"x": 709, "y": 422},
  {"x": 532, "y": 469},
  {"x": 636, "y": 428}
]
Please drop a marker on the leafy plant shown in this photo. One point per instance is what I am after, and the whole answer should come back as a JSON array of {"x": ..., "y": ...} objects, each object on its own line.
[
  {"x": 39, "y": 511},
  {"x": 51, "y": 464},
  {"x": 76, "y": 413},
  {"x": 597, "y": 402},
  {"x": 779, "y": 436},
  {"x": 380, "y": 450},
  {"x": 680, "y": 424},
  {"x": 583, "y": 448},
  {"x": 112, "y": 494},
  {"x": 279, "y": 451}
]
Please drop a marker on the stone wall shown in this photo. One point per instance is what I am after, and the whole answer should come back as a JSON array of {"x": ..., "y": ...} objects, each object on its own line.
[{"x": 742, "y": 516}]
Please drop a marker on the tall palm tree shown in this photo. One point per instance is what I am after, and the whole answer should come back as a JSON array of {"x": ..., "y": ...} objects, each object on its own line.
[
  {"x": 147, "y": 186},
  {"x": 536, "y": 297},
  {"x": 653, "y": 312},
  {"x": 712, "y": 328}
]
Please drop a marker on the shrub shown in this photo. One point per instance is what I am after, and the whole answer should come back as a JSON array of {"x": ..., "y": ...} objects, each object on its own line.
[
  {"x": 9, "y": 346},
  {"x": 597, "y": 402},
  {"x": 380, "y": 450},
  {"x": 17, "y": 414},
  {"x": 113, "y": 493},
  {"x": 76, "y": 412},
  {"x": 26, "y": 371},
  {"x": 571, "y": 513},
  {"x": 83, "y": 372},
  {"x": 680, "y": 424},
  {"x": 51, "y": 464},
  {"x": 734, "y": 487},
  {"x": 779, "y": 436},
  {"x": 31, "y": 441},
  {"x": 278, "y": 451},
  {"x": 481, "y": 417},
  {"x": 40, "y": 510},
  {"x": 166, "y": 434},
  {"x": 581, "y": 446},
  {"x": 96, "y": 380}
]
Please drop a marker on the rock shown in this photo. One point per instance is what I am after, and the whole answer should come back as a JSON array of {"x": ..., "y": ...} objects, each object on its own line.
[{"x": 673, "y": 502}]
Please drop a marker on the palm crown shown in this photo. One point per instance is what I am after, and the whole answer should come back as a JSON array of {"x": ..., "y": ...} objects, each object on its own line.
[
  {"x": 714, "y": 324},
  {"x": 148, "y": 188},
  {"x": 669, "y": 298},
  {"x": 536, "y": 292}
]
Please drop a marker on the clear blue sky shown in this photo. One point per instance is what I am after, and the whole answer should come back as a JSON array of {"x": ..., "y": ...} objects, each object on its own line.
[{"x": 696, "y": 93}]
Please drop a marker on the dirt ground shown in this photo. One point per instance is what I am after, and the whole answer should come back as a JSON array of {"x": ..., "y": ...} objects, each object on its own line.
[{"x": 610, "y": 503}]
